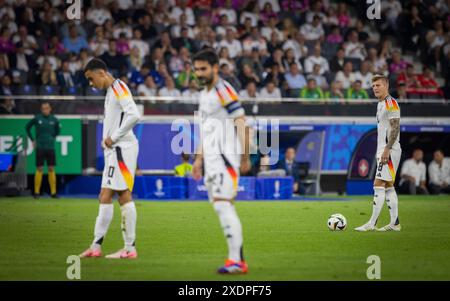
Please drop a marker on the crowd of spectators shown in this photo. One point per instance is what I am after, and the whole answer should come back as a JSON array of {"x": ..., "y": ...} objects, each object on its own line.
[{"x": 268, "y": 48}]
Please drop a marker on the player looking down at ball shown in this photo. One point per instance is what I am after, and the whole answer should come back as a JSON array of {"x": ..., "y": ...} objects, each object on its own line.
[
  {"x": 388, "y": 156},
  {"x": 121, "y": 151},
  {"x": 223, "y": 152}
]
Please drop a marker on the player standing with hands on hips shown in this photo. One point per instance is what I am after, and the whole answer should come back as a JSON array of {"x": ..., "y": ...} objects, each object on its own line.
[
  {"x": 388, "y": 156},
  {"x": 224, "y": 149},
  {"x": 121, "y": 151}
]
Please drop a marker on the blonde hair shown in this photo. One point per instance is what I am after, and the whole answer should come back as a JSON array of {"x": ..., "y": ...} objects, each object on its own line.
[{"x": 378, "y": 77}]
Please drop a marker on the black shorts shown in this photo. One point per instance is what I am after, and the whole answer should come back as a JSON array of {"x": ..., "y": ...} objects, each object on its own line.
[{"x": 45, "y": 155}]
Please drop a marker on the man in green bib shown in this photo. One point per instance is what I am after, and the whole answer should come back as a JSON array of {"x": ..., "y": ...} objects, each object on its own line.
[
  {"x": 356, "y": 91},
  {"x": 311, "y": 91},
  {"x": 47, "y": 127}
]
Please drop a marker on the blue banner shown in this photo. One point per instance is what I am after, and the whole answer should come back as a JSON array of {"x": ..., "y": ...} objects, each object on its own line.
[
  {"x": 179, "y": 188},
  {"x": 156, "y": 141},
  {"x": 164, "y": 187},
  {"x": 309, "y": 148},
  {"x": 340, "y": 141},
  {"x": 6, "y": 162},
  {"x": 274, "y": 188},
  {"x": 155, "y": 144},
  {"x": 246, "y": 189},
  {"x": 426, "y": 129}
]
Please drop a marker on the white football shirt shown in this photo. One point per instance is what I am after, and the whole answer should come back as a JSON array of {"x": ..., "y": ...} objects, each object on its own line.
[
  {"x": 121, "y": 115},
  {"x": 218, "y": 108},
  {"x": 386, "y": 110}
]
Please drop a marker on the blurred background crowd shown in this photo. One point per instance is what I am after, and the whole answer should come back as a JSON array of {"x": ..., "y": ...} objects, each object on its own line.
[{"x": 315, "y": 49}]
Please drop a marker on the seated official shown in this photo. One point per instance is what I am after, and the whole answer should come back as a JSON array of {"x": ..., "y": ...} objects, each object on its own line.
[
  {"x": 439, "y": 172},
  {"x": 263, "y": 168},
  {"x": 414, "y": 175},
  {"x": 291, "y": 167}
]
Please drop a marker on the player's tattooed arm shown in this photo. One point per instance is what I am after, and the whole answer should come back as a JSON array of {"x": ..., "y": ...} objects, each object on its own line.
[{"x": 395, "y": 130}]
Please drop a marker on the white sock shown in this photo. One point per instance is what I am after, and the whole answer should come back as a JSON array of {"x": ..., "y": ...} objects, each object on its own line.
[
  {"x": 129, "y": 225},
  {"x": 232, "y": 228},
  {"x": 378, "y": 201},
  {"x": 392, "y": 202},
  {"x": 105, "y": 215}
]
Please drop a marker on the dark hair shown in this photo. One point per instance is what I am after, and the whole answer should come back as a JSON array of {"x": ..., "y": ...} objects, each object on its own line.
[
  {"x": 3, "y": 29},
  {"x": 207, "y": 55},
  {"x": 439, "y": 150},
  {"x": 251, "y": 82},
  {"x": 185, "y": 156},
  {"x": 43, "y": 102},
  {"x": 95, "y": 64}
]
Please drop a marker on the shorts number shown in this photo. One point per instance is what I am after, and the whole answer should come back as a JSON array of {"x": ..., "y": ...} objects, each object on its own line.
[
  {"x": 110, "y": 171},
  {"x": 221, "y": 178},
  {"x": 380, "y": 166}
]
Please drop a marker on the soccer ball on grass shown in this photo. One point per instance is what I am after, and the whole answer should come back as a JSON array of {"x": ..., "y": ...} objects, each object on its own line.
[{"x": 337, "y": 222}]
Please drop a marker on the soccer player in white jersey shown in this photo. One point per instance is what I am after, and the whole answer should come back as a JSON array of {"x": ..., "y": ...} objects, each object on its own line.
[
  {"x": 224, "y": 151},
  {"x": 388, "y": 156},
  {"x": 121, "y": 151}
]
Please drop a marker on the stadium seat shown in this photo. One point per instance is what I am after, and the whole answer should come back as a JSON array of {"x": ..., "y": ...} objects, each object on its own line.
[
  {"x": 49, "y": 90},
  {"x": 133, "y": 91},
  {"x": 310, "y": 44},
  {"x": 329, "y": 50},
  {"x": 294, "y": 93},
  {"x": 356, "y": 63},
  {"x": 414, "y": 96},
  {"x": 26, "y": 90},
  {"x": 330, "y": 76},
  {"x": 72, "y": 91},
  {"x": 431, "y": 96},
  {"x": 303, "y": 169},
  {"x": 90, "y": 91},
  {"x": 309, "y": 183}
]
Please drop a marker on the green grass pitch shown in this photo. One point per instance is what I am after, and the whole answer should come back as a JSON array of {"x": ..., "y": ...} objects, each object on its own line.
[{"x": 182, "y": 240}]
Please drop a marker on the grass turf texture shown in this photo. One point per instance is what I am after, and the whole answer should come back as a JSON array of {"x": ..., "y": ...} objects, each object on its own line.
[{"x": 183, "y": 240}]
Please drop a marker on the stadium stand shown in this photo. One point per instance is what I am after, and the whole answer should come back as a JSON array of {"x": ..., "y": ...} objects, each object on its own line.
[
  {"x": 269, "y": 51},
  {"x": 39, "y": 46}
]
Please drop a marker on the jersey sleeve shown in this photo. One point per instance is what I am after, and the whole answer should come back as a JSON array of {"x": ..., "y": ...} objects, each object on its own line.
[
  {"x": 57, "y": 127},
  {"x": 229, "y": 100},
  {"x": 28, "y": 127},
  {"x": 392, "y": 108},
  {"x": 130, "y": 112}
]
